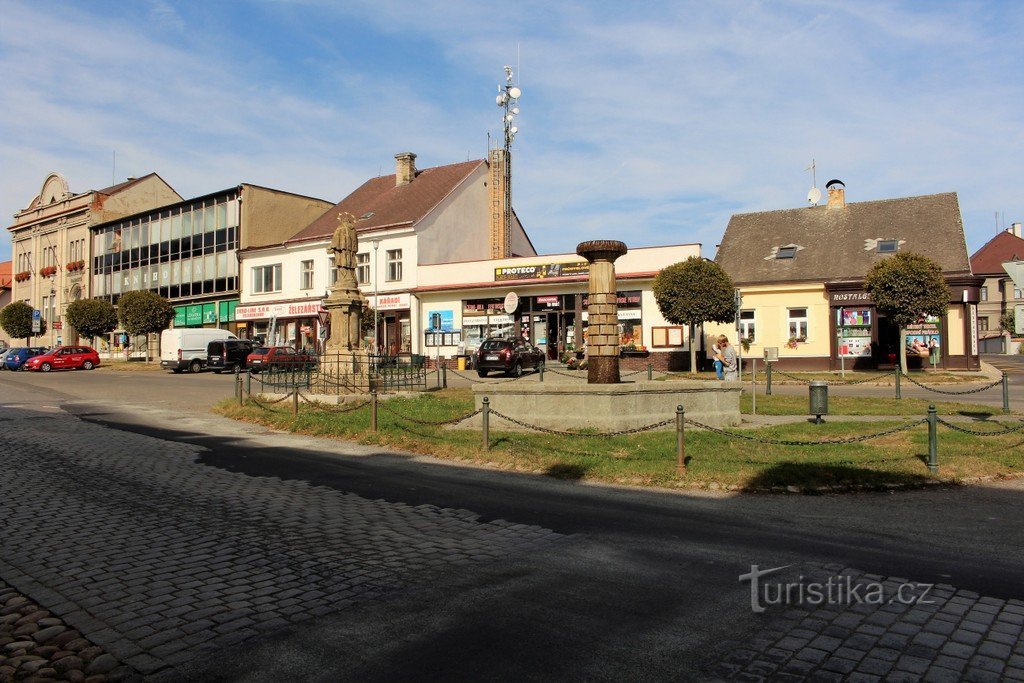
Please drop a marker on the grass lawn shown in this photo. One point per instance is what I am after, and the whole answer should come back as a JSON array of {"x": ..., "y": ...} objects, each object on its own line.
[
  {"x": 649, "y": 459},
  {"x": 781, "y": 404}
]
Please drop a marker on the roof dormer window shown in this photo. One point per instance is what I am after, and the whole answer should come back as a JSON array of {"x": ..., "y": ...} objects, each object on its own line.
[
  {"x": 888, "y": 246},
  {"x": 785, "y": 253}
]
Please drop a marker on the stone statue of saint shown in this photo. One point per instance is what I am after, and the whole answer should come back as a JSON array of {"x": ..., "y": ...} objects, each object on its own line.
[{"x": 344, "y": 244}]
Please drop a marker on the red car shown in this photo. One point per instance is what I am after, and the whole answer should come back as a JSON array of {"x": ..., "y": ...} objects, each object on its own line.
[
  {"x": 278, "y": 358},
  {"x": 65, "y": 358}
]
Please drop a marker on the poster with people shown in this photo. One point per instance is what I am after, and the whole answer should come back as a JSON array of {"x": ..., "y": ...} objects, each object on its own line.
[{"x": 924, "y": 336}]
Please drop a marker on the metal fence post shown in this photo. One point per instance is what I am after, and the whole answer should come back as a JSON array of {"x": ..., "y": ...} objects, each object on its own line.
[
  {"x": 768, "y": 379},
  {"x": 650, "y": 371},
  {"x": 486, "y": 412},
  {"x": 437, "y": 369},
  {"x": 680, "y": 441},
  {"x": 248, "y": 383},
  {"x": 1006, "y": 393},
  {"x": 444, "y": 369},
  {"x": 898, "y": 393},
  {"x": 295, "y": 402},
  {"x": 540, "y": 370},
  {"x": 933, "y": 440},
  {"x": 373, "y": 410},
  {"x": 238, "y": 388}
]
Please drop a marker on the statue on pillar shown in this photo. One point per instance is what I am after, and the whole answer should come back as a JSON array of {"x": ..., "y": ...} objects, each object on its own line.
[
  {"x": 344, "y": 244},
  {"x": 345, "y": 301}
]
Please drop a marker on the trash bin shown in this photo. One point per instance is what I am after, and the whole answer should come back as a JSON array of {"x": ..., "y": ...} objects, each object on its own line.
[
  {"x": 462, "y": 363},
  {"x": 818, "y": 400},
  {"x": 933, "y": 356}
]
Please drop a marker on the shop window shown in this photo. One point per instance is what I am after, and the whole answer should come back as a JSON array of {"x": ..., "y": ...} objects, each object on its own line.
[
  {"x": 306, "y": 269},
  {"x": 266, "y": 279},
  {"x": 363, "y": 268},
  {"x": 747, "y": 325},
  {"x": 797, "y": 324},
  {"x": 394, "y": 265}
]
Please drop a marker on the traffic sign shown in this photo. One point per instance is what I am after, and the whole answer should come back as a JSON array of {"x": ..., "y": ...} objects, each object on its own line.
[{"x": 1015, "y": 269}]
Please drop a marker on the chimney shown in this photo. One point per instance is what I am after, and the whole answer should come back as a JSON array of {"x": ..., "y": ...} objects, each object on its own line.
[
  {"x": 1014, "y": 230},
  {"x": 836, "y": 194},
  {"x": 500, "y": 241},
  {"x": 405, "y": 168}
]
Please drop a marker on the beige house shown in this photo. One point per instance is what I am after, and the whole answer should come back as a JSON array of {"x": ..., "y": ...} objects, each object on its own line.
[
  {"x": 801, "y": 275},
  {"x": 999, "y": 294},
  {"x": 5, "y": 295},
  {"x": 51, "y": 244}
]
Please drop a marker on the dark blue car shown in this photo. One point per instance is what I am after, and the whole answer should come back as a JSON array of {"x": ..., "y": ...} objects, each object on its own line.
[{"x": 17, "y": 356}]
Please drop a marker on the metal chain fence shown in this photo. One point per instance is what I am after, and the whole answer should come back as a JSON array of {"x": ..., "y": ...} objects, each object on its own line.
[
  {"x": 546, "y": 430},
  {"x": 820, "y": 442},
  {"x": 954, "y": 393},
  {"x": 976, "y": 432},
  {"x": 835, "y": 382},
  {"x": 333, "y": 409},
  {"x": 437, "y": 423}
]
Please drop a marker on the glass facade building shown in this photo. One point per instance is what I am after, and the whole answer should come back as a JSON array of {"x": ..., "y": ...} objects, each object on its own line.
[{"x": 185, "y": 251}]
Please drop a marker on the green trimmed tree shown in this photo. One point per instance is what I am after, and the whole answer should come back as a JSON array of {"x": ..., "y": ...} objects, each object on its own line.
[
  {"x": 91, "y": 317},
  {"x": 694, "y": 292},
  {"x": 144, "y": 312},
  {"x": 907, "y": 288},
  {"x": 1008, "y": 322},
  {"x": 16, "y": 320}
]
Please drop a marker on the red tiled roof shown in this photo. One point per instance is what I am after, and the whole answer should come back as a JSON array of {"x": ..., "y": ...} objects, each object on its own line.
[
  {"x": 5, "y": 274},
  {"x": 386, "y": 205},
  {"x": 990, "y": 258}
]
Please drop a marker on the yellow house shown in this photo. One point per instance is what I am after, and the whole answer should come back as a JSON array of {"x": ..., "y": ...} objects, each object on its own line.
[{"x": 801, "y": 274}]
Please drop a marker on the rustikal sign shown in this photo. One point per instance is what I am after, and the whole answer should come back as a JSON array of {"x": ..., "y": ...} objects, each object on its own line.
[{"x": 541, "y": 270}]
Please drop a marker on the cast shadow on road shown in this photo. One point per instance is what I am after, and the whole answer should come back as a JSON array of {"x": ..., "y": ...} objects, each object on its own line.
[{"x": 817, "y": 478}]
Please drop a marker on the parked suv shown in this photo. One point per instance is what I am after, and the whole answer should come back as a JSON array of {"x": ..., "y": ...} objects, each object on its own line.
[
  {"x": 510, "y": 356},
  {"x": 228, "y": 354},
  {"x": 17, "y": 357},
  {"x": 279, "y": 358}
]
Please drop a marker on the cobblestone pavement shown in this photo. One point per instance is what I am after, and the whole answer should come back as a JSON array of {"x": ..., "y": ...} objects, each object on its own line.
[
  {"x": 938, "y": 634},
  {"x": 161, "y": 560}
]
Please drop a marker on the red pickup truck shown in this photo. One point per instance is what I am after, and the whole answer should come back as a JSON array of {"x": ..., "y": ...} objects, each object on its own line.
[{"x": 279, "y": 358}]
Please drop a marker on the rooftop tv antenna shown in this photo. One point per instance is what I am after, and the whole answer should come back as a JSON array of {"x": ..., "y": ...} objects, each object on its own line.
[{"x": 814, "y": 196}]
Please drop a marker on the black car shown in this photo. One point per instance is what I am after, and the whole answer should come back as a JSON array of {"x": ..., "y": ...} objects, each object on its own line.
[
  {"x": 227, "y": 354},
  {"x": 510, "y": 356}
]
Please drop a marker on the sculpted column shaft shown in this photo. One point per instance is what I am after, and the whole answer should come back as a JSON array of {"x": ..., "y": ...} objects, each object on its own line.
[{"x": 603, "y": 320}]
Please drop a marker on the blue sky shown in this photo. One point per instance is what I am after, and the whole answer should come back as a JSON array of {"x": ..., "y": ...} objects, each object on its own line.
[{"x": 647, "y": 122}]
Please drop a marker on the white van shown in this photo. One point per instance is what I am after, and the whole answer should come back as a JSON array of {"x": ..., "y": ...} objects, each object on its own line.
[{"x": 185, "y": 348}]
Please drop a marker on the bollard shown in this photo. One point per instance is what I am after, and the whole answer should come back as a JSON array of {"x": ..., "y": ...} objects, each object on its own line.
[
  {"x": 444, "y": 370},
  {"x": 295, "y": 402},
  {"x": 540, "y": 370},
  {"x": 238, "y": 388},
  {"x": 1006, "y": 394},
  {"x": 680, "y": 441},
  {"x": 486, "y": 412},
  {"x": 248, "y": 383},
  {"x": 898, "y": 382},
  {"x": 933, "y": 440},
  {"x": 373, "y": 410},
  {"x": 768, "y": 379},
  {"x": 753, "y": 385},
  {"x": 437, "y": 369},
  {"x": 650, "y": 371}
]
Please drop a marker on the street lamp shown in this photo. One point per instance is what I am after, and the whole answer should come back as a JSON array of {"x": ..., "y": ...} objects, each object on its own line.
[{"x": 376, "y": 345}]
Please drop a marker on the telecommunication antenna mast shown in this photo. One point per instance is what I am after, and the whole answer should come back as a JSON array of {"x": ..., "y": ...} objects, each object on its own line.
[{"x": 508, "y": 99}]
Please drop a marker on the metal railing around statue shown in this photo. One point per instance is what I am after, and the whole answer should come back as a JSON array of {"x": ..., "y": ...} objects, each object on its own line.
[{"x": 343, "y": 372}]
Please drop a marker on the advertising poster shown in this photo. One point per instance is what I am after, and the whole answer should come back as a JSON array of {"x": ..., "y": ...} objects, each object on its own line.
[{"x": 924, "y": 336}]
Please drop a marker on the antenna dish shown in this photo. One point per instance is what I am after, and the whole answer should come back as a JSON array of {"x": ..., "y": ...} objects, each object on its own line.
[
  {"x": 501, "y": 99},
  {"x": 814, "y": 196},
  {"x": 515, "y": 93}
]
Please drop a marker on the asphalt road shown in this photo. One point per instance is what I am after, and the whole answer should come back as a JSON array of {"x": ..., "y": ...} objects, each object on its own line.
[{"x": 639, "y": 584}]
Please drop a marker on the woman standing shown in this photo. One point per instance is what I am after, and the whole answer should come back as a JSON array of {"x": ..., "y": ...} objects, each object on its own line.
[{"x": 727, "y": 353}]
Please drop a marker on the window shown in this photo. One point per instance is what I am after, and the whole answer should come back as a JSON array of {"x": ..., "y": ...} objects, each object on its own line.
[
  {"x": 982, "y": 324},
  {"x": 888, "y": 246},
  {"x": 394, "y": 263},
  {"x": 984, "y": 293},
  {"x": 747, "y": 325},
  {"x": 785, "y": 252},
  {"x": 798, "y": 324},
  {"x": 333, "y": 270},
  {"x": 363, "y": 268},
  {"x": 266, "y": 279},
  {"x": 307, "y": 274},
  {"x": 1017, "y": 293}
]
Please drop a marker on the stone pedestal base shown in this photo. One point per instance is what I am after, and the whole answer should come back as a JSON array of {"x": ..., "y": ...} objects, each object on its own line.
[
  {"x": 603, "y": 370},
  {"x": 348, "y": 372},
  {"x": 608, "y": 407}
]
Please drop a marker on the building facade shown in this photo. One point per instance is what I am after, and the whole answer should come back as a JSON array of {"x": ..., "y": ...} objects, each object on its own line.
[
  {"x": 999, "y": 295},
  {"x": 801, "y": 274},
  {"x": 51, "y": 243},
  {"x": 188, "y": 252},
  {"x": 6, "y": 284},
  {"x": 404, "y": 221}
]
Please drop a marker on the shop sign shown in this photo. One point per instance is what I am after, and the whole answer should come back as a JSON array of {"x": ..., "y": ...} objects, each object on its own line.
[
  {"x": 474, "y": 320},
  {"x": 541, "y": 271},
  {"x": 622, "y": 315},
  {"x": 511, "y": 302},
  {"x": 209, "y": 313},
  {"x": 499, "y": 320},
  {"x": 299, "y": 309},
  {"x": 850, "y": 298},
  {"x": 392, "y": 302},
  {"x": 623, "y": 299},
  {"x": 194, "y": 315}
]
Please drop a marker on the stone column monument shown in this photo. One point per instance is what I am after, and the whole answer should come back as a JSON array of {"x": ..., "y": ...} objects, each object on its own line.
[
  {"x": 603, "y": 321},
  {"x": 345, "y": 301}
]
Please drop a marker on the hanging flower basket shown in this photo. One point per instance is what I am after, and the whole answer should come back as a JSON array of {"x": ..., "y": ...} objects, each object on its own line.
[
  {"x": 22, "y": 276},
  {"x": 47, "y": 271},
  {"x": 75, "y": 265}
]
